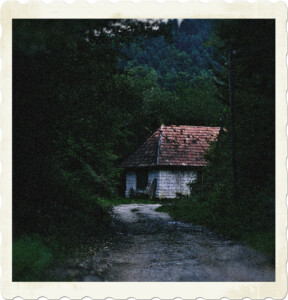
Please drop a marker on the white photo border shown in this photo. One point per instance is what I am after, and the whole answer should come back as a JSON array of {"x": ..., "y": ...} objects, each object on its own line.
[{"x": 142, "y": 10}]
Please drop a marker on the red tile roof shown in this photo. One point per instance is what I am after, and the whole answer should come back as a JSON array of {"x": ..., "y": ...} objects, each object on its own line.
[{"x": 174, "y": 146}]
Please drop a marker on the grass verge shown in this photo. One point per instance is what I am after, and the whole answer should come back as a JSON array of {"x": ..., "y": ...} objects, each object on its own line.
[
  {"x": 73, "y": 226},
  {"x": 204, "y": 214},
  {"x": 66, "y": 229},
  {"x": 30, "y": 258},
  {"x": 263, "y": 242},
  {"x": 110, "y": 202}
]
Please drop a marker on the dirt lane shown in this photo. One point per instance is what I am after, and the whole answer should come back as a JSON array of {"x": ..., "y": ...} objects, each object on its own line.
[
  {"x": 150, "y": 246},
  {"x": 155, "y": 248}
]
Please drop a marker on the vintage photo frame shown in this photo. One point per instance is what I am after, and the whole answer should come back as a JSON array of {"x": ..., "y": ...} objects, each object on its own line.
[{"x": 142, "y": 10}]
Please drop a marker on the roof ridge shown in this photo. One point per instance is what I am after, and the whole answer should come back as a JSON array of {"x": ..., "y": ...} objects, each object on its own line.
[
  {"x": 159, "y": 145},
  {"x": 189, "y": 126}
]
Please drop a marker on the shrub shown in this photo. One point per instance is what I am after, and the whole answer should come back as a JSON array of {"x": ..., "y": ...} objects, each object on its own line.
[{"x": 30, "y": 259}]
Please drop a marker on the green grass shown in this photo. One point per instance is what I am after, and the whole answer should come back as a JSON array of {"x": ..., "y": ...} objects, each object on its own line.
[
  {"x": 262, "y": 241},
  {"x": 30, "y": 258},
  {"x": 33, "y": 254},
  {"x": 202, "y": 213},
  {"x": 85, "y": 219},
  {"x": 110, "y": 202},
  {"x": 73, "y": 225},
  {"x": 187, "y": 211}
]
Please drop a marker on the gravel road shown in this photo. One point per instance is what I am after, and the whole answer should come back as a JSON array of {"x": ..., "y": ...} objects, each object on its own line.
[{"x": 150, "y": 246}]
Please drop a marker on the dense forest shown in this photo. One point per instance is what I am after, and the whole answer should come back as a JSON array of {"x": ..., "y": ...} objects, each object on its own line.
[{"x": 87, "y": 93}]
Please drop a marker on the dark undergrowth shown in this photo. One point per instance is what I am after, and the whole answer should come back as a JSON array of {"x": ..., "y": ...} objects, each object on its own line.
[
  {"x": 62, "y": 231},
  {"x": 89, "y": 221},
  {"x": 251, "y": 224},
  {"x": 71, "y": 228}
]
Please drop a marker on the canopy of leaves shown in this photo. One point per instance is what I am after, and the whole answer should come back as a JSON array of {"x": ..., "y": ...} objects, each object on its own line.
[{"x": 250, "y": 46}]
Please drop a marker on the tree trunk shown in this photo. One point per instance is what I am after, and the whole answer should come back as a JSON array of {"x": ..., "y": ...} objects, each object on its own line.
[{"x": 233, "y": 135}]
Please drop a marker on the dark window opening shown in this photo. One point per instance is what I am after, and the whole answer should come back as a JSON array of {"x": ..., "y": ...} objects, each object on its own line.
[{"x": 142, "y": 179}]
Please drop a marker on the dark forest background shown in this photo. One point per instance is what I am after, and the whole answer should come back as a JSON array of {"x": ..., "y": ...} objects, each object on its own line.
[{"x": 87, "y": 93}]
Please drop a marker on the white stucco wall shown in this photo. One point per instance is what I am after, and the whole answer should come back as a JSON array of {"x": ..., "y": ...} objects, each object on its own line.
[
  {"x": 172, "y": 182},
  {"x": 130, "y": 183},
  {"x": 168, "y": 182},
  {"x": 151, "y": 176}
]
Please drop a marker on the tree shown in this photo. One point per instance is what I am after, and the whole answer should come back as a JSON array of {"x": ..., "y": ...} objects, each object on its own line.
[
  {"x": 251, "y": 44},
  {"x": 71, "y": 117}
]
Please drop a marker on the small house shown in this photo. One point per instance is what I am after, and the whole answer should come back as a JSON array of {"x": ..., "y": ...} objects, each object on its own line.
[{"x": 169, "y": 160}]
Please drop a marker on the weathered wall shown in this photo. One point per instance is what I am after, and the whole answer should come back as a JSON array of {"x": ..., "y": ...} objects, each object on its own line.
[
  {"x": 168, "y": 182},
  {"x": 130, "y": 183},
  {"x": 172, "y": 182},
  {"x": 151, "y": 176}
]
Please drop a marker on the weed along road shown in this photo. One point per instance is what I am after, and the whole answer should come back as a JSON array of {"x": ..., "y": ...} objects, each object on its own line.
[{"x": 150, "y": 246}]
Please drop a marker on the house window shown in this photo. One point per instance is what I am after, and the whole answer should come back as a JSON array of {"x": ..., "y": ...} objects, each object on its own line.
[{"x": 141, "y": 179}]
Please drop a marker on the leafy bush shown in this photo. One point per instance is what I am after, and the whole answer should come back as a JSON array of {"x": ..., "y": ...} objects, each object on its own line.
[
  {"x": 263, "y": 241},
  {"x": 30, "y": 259},
  {"x": 251, "y": 219}
]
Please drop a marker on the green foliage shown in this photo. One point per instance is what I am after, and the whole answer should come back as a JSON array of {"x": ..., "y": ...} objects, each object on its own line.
[
  {"x": 71, "y": 118},
  {"x": 87, "y": 93},
  {"x": 187, "y": 210},
  {"x": 252, "y": 211},
  {"x": 80, "y": 113},
  {"x": 253, "y": 227},
  {"x": 30, "y": 259},
  {"x": 253, "y": 91},
  {"x": 263, "y": 241},
  {"x": 179, "y": 60},
  {"x": 108, "y": 203}
]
